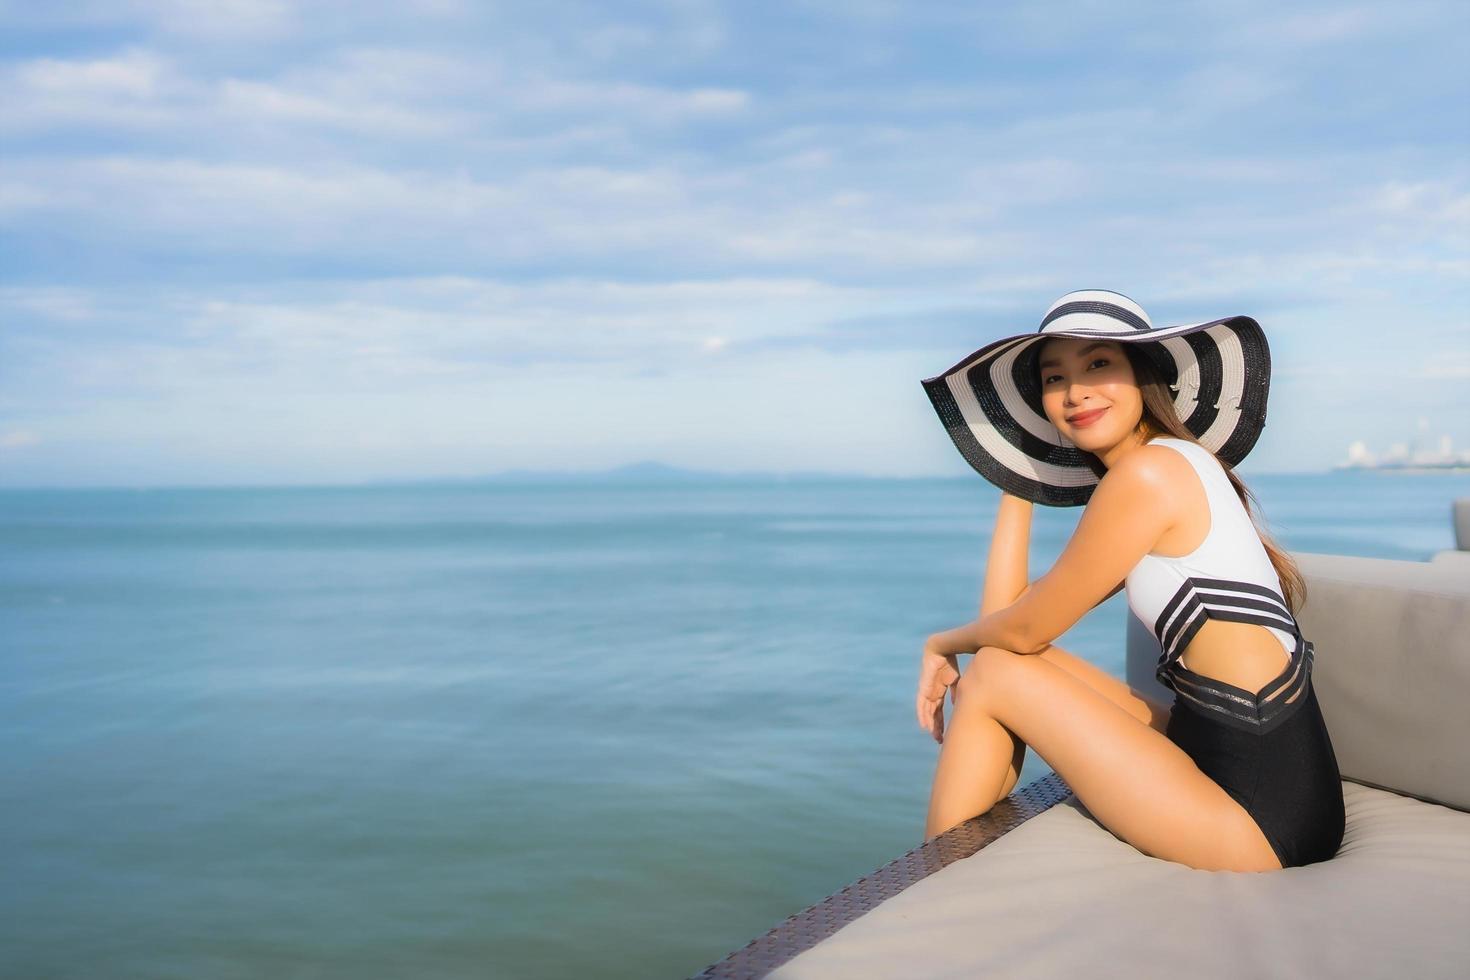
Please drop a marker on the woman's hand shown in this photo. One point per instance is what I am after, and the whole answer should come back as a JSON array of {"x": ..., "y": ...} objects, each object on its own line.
[{"x": 937, "y": 673}]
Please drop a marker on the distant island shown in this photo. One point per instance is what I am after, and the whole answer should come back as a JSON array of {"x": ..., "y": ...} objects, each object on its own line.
[{"x": 647, "y": 471}]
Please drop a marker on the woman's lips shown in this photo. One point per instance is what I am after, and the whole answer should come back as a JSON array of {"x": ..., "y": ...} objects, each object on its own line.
[{"x": 1083, "y": 421}]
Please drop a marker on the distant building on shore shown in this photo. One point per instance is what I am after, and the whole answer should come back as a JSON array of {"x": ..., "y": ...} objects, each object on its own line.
[{"x": 1401, "y": 456}]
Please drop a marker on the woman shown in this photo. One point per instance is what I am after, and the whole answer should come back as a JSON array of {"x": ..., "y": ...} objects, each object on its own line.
[{"x": 1239, "y": 772}]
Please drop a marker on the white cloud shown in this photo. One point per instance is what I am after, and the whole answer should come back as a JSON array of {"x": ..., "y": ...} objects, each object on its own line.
[
  {"x": 1272, "y": 27},
  {"x": 18, "y": 439},
  {"x": 259, "y": 102},
  {"x": 48, "y": 302},
  {"x": 335, "y": 333},
  {"x": 1450, "y": 365},
  {"x": 223, "y": 18},
  {"x": 373, "y": 91},
  {"x": 588, "y": 210},
  {"x": 1444, "y": 202},
  {"x": 130, "y": 89},
  {"x": 132, "y": 74},
  {"x": 17, "y": 197},
  {"x": 556, "y": 94},
  {"x": 1221, "y": 86}
]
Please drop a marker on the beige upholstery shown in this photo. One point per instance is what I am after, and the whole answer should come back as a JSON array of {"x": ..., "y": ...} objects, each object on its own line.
[
  {"x": 1060, "y": 896},
  {"x": 1392, "y": 672}
]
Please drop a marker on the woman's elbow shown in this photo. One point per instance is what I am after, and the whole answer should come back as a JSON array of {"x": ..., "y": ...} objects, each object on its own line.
[
  {"x": 1032, "y": 649},
  {"x": 1027, "y": 643}
]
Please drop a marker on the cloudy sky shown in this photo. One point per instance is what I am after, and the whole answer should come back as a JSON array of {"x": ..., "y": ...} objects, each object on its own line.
[{"x": 250, "y": 241}]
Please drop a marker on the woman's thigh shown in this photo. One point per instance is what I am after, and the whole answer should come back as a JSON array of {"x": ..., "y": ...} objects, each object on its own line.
[
  {"x": 1152, "y": 713},
  {"x": 1132, "y": 778}
]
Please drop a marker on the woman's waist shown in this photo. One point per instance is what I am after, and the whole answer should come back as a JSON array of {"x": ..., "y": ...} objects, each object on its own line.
[
  {"x": 1240, "y": 653},
  {"x": 1256, "y": 709}
]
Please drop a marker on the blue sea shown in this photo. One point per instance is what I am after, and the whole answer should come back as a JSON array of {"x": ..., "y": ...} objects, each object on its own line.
[{"x": 590, "y": 728}]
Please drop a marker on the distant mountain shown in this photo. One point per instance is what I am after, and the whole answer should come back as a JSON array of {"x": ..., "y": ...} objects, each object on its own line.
[
  {"x": 647, "y": 471},
  {"x": 654, "y": 470}
]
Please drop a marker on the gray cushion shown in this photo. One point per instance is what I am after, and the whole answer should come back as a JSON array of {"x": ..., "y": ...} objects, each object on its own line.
[
  {"x": 1392, "y": 641},
  {"x": 1060, "y": 896},
  {"x": 1391, "y": 669}
]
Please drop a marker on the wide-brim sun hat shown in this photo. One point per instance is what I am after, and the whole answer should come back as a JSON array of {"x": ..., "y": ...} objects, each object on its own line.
[{"x": 990, "y": 402}]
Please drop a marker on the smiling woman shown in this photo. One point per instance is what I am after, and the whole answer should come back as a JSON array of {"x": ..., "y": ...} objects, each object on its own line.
[{"x": 1242, "y": 757}]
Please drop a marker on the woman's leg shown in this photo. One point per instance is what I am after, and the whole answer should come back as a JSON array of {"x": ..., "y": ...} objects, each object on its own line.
[
  {"x": 1129, "y": 776},
  {"x": 1152, "y": 713},
  {"x": 1146, "y": 710}
]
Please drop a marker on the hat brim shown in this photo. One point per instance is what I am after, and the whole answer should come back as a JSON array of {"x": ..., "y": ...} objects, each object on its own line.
[{"x": 990, "y": 403}]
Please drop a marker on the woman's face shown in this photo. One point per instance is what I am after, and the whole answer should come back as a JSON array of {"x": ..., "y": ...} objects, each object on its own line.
[{"x": 1079, "y": 379}]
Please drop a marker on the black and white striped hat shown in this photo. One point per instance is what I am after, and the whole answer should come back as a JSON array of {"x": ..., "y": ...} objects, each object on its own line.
[{"x": 990, "y": 402}]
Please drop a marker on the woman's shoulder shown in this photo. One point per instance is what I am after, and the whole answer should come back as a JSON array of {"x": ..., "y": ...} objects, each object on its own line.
[
  {"x": 1156, "y": 475},
  {"x": 1151, "y": 474},
  {"x": 1163, "y": 457},
  {"x": 1172, "y": 442},
  {"x": 1173, "y": 453}
]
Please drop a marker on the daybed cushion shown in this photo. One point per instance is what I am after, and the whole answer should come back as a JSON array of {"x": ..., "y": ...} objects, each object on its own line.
[{"x": 1060, "y": 896}]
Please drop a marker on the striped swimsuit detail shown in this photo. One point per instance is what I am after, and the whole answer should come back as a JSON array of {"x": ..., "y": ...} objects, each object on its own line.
[{"x": 1229, "y": 577}]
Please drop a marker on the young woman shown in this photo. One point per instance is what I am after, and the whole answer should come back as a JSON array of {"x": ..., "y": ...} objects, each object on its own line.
[{"x": 1143, "y": 426}]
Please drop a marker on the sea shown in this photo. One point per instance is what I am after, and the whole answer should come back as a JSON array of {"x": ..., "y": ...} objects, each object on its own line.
[{"x": 544, "y": 728}]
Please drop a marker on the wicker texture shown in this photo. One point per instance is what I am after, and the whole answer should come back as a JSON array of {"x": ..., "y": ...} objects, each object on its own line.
[{"x": 815, "y": 923}]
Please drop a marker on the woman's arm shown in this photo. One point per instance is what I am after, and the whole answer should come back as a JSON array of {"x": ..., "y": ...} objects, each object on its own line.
[
  {"x": 1124, "y": 519},
  {"x": 1005, "y": 582},
  {"x": 1005, "y": 571}
]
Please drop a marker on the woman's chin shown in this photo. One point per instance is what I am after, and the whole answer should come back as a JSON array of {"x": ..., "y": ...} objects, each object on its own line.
[{"x": 1091, "y": 439}]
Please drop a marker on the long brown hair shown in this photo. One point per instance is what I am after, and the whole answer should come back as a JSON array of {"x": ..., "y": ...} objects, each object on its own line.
[{"x": 1159, "y": 418}]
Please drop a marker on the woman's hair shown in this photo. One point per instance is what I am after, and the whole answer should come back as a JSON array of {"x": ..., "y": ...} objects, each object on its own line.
[{"x": 1159, "y": 418}]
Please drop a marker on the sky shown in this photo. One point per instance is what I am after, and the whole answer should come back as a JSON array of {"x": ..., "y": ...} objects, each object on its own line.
[{"x": 252, "y": 242}]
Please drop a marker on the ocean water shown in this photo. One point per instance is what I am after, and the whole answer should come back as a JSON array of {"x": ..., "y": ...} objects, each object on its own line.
[{"x": 609, "y": 729}]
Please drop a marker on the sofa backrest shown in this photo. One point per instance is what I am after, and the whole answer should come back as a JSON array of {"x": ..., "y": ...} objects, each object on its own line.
[{"x": 1391, "y": 667}]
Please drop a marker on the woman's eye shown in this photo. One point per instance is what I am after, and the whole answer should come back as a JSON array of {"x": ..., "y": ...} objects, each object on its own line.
[{"x": 1052, "y": 377}]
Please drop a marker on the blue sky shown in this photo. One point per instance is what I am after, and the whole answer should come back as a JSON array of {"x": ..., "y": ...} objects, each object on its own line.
[{"x": 249, "y": 242}]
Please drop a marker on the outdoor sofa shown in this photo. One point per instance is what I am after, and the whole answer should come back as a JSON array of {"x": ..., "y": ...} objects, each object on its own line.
[{"x": 1037, "y": 887}]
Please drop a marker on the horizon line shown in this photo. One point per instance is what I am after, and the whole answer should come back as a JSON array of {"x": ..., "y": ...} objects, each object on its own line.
[{"x": 631, "y": 471}]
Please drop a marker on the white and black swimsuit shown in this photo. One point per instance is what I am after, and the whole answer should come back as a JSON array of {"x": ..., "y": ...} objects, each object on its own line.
[
  {"x": 1229, "y": 576},
  {"x": 1269, "y": 749}
]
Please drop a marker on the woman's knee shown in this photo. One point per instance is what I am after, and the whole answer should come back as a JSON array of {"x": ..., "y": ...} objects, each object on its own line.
[
  {"x": 987, "y": 674},
  {"x": 994, "y": 659}
]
